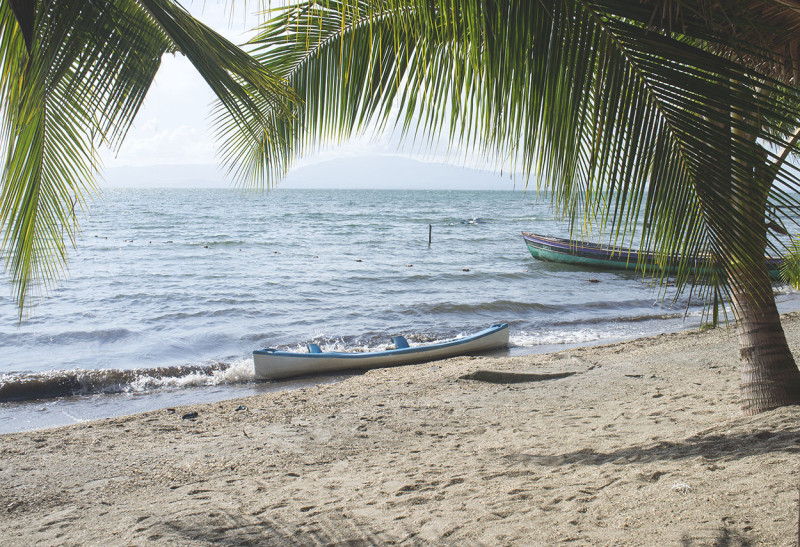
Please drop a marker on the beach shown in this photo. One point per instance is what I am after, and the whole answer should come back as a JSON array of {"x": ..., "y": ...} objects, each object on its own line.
[
  {"x": 158, "y": 301},
  {"x": 643, "y": 445}
]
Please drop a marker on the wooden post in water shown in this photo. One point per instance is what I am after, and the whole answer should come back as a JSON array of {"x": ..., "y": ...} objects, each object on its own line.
[{"x": 430, "y": 234}]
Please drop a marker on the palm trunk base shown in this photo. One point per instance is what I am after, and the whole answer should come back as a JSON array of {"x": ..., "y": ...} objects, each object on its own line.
[{"x": 770, "y": 377}]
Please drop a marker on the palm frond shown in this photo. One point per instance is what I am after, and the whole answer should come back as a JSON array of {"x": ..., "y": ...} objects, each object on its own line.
[
  {"x": 79, "y": 86},
  {"x": 645, "y": 132},
  {"x": 60, "y": 100}
]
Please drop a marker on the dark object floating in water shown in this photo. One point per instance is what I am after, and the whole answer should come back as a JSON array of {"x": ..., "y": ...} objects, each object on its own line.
[
  {"x": 508, "y": 377},
  {"x": 189, "y": 416},
  {"x": 272, "y": 364},
  {"x": 571, "y": 251}
]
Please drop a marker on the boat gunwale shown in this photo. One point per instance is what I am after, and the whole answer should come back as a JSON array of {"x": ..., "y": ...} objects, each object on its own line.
[
  {"x": 489, "y": 331},
  {"x": 609, "y": 253},
  {"x": 593, "y": 250}
]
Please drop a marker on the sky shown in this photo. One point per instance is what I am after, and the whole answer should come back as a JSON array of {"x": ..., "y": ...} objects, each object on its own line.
[
  {"x": 173, "y": 125},
  {"x": 173, "y": 128}
]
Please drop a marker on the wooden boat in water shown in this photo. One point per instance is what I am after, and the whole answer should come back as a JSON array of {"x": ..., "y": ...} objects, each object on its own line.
[
  {"x": 570, "y": 251},
  {"x": 272, "y": 364}
]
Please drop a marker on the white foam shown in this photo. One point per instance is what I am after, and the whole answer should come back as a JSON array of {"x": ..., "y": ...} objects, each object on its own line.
[
  {"x": 240, "y": 371},
  {"x": 783, "y": 289},
  {"x": 581, "y": 336},
  {"x": 339, "y": 345},
  {"x": 529, "y": 339}
]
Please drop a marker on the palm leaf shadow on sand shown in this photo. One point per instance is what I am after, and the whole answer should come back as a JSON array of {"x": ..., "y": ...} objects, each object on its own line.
[
  {"x": 229, "y": 528},
  {"x": 723, "y": 538},
  {"x": 723, "y": 447}
]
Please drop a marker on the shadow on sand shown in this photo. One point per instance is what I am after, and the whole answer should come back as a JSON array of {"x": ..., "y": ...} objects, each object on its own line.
[
  {"x": 713, "y": 447},
  {"x": 226, "y": 528},
  {"x": 724, "y": 538}
]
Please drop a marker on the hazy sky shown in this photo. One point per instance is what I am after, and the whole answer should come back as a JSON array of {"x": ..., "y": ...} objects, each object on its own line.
[{"x": 173, "y": 127}]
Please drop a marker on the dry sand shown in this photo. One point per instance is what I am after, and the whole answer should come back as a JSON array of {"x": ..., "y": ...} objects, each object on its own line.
[{"x": 645, "y": 445}]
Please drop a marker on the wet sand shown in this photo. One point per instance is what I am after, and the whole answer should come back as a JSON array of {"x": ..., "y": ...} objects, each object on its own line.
[{"x": 643, "y": 445}]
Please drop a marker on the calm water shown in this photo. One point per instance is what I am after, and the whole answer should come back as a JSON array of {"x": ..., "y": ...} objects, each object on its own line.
[{"x": 170, "y": 291}]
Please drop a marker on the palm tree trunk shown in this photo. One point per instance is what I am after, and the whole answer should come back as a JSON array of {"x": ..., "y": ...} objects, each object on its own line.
[{"x": 770, "y": 377}]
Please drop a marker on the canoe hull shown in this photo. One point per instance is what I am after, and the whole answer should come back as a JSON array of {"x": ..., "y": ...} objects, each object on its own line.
[
  {"x": 271, "y": 364},
  {"x": 568, "y": 251}
]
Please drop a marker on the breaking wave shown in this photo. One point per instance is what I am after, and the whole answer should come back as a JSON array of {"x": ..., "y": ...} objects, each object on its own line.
[{"x": 66, "y": 383}]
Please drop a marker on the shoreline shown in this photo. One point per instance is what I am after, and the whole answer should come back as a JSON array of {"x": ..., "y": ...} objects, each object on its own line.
[
  {"x": 643, "y": 445},
  {"x": 39, "y": 414}
]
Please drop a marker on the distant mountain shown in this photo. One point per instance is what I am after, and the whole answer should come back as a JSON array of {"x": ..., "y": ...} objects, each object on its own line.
[
  {"x": 394, "y": 172},
  {"x": 382, "y": 172},
  {"x": 165, "y": 176}
]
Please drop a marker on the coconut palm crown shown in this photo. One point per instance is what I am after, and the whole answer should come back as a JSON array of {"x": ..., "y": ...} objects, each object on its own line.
[
  {"x": 74, "y": 75},
  {"x": 668, "y": 123}
]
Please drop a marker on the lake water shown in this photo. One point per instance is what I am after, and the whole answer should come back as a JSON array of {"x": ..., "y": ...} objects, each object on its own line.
[{"x": 170, "y": 290}]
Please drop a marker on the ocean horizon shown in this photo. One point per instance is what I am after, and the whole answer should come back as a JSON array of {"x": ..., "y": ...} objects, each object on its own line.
[{"x": 170, "y": 290}]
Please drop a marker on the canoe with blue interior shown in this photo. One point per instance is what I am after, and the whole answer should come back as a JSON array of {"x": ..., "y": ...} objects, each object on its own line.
[
  {"x": 595, "y": 255},
  {"x": 272, "y": 364}
]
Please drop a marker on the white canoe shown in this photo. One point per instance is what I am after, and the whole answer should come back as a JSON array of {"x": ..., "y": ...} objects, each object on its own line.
[{"x": 272, "y": 364}]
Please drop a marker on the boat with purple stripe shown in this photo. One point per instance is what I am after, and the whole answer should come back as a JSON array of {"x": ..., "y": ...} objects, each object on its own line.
[{"x": 595, "y": 255}]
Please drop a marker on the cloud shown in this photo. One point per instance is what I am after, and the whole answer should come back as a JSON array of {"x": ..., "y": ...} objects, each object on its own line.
[
  {"x": 173, "y": 125},
  {"x": 153, "y": 145}
]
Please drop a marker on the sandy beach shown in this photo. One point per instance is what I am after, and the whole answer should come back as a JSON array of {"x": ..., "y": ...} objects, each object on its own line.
[{"x": 643, "y": 445}]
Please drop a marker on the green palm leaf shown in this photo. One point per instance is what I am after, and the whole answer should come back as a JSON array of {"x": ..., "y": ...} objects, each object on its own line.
[
  {"x": 78, "y": 84},
  {"x": 623, "y": 122}
]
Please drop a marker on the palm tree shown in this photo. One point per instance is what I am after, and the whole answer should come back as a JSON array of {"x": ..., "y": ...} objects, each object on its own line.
[
  {"x": 678, "y": 113},
  {"x": 74, "y": 74}
]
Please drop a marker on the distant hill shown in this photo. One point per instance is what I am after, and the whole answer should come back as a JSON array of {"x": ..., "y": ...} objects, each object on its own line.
[
  {"x": 165, "y": 176},
  {"x": 387, "y": 172},
  {"x": 394, "y": 172}
]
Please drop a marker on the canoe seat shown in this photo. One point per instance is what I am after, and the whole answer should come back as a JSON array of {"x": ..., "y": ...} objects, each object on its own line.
[
  {"x": 314, "y": 348},
  {"x": 399, "y": 342}
]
